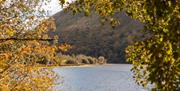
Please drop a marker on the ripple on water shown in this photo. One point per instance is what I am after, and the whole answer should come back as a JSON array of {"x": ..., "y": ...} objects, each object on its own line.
[{"x": 114, "y": 77}]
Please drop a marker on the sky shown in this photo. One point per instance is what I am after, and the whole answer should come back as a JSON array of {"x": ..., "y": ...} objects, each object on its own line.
[{"x": 54, "y": 6}]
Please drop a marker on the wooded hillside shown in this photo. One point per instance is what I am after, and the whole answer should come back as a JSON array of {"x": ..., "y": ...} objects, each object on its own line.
[{"x": 88, "y": 36}]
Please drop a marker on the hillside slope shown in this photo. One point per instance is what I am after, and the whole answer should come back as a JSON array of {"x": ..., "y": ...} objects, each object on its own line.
[{"x": 88, "y": 36}]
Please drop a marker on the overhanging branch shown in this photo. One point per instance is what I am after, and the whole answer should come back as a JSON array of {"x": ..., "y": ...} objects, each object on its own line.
[{"x": 26, "y": 39}]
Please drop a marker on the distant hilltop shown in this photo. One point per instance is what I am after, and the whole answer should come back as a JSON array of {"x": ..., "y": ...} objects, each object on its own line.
[{"x": 88, "y": 36}]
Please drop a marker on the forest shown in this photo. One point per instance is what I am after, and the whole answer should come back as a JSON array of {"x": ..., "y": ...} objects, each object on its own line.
[
  {"x": 88, "y": 36},
  {"x": 144, "y": 33}
]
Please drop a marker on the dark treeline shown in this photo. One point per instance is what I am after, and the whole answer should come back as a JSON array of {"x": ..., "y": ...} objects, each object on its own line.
[{"x": 89, "y": 37}]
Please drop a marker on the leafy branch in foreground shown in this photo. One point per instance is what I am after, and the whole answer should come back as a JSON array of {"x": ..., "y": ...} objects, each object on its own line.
[
  {"x": 155, "y": 60},
  {"x": 24, "y": 44}
]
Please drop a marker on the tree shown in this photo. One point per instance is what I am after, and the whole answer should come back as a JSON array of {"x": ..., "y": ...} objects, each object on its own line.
[
  {"x": 24, "y": 44},
  {"x": 156, "y": 59}
]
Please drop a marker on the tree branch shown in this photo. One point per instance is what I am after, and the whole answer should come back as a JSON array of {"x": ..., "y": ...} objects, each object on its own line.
[{"x": 26, "y": 39}]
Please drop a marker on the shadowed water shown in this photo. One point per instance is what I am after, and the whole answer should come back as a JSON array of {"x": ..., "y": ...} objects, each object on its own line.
[{"x": 113, "y": 77}]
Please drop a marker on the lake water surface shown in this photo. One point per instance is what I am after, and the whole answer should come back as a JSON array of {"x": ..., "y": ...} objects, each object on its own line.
[{"x": 111, "y": 77}]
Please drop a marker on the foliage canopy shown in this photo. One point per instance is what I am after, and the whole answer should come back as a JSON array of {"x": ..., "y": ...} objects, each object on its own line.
[
  {"x": 24, "y": 44},
  {"x": 156, "y": 59}
]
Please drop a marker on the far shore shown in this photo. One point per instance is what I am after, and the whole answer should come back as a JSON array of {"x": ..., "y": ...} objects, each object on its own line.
[{"x": 84, "y": 65}]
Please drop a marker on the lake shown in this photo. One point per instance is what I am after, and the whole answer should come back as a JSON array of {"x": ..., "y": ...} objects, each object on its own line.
[{"x": 110, "y": 77}]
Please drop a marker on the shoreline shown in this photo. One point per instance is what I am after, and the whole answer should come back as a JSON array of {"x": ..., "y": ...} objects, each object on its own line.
[
  {"x": 81, "y": 65},
  {"x": 87, "y": 65}
]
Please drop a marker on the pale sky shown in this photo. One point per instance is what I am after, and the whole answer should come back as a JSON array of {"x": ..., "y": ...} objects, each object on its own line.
[{"x": 54, "y": 6}]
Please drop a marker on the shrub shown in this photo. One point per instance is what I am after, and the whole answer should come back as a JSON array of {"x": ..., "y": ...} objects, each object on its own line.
[
  {"x": 70, "y": 61},
  {"x": 85, "y": 61},
  {"x": 91, "y": 60},
  {"x": 78, "y": 59},
  {"x": 101, "y": 60}
]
